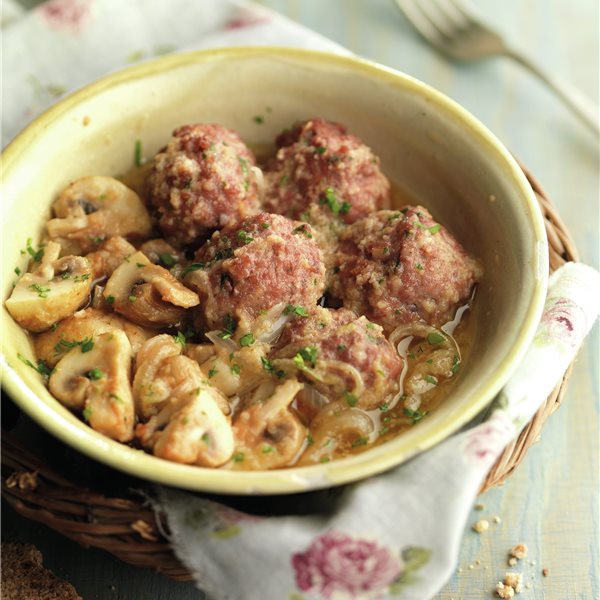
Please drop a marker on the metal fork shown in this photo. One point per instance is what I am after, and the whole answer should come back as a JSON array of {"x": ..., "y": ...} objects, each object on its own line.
[{"x": 447, "y": 26}]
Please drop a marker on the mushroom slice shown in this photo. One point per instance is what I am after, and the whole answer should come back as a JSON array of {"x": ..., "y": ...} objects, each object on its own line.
[
  {"x": 268, "y": 433},
  {"x": 162, "y": 374},
  {"x": 148, "y": 294},
  {"x": 109, "y": 256},
  {"x": 53, "y": 291},
  {"x": 197, "y": 433},
  {"x": 94, "y": 208},
  {"x": 52, "y": 345},
  {"x": 96, "y": 381}
]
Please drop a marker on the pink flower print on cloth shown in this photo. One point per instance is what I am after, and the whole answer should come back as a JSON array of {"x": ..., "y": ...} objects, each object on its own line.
[
  {"x": 67, "y": 15},
  {"x": 338, "y": 566},
  {"x": 484, "y": 443},
  {"x": 563, "y": 320}
]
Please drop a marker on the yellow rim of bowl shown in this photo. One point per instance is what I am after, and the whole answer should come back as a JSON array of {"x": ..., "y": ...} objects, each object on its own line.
[{"x": 295, "y": 479}]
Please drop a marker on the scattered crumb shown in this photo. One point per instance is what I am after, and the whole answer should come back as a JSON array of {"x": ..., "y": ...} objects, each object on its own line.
[
  {"x": 528, "y": 585},
  {"x": 515, "y": 581},
  {"x": 460, "y": 570},
  {"x": 471, "y": 566},
  {"x": 519, "y": 551},
  {"x": 545, "y": 571},
  {"x": 86, "y": 120},
  {"x": 485, "y": 567},
  {"x": 532, "y": 563},
  {"x": 492, "y": 198},
  {"x": 479, "y": 507},
  {"x": 23, "y": 480},
  {"x": 497, "y": 520},
  {"x": 504, "y": 591},
  {"x": 512, "y": 561},
  {"x": 481, "y": 526},
  {"x": 477, "y": 562},
  {"x": 144, "y": 530}
]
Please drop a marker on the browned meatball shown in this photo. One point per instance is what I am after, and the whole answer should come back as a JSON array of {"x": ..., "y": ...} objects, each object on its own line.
[
  {"x": 202, "y": 181},
  {"x": 397, "y": 267},
  {"x": 329, "y": 336},
  {"x": 318, "y": 163},
  {"x": 249, "y": 268}
]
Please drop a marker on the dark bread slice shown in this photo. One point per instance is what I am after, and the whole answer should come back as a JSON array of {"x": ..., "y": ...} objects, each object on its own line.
[{"x": 24, "y": 577}]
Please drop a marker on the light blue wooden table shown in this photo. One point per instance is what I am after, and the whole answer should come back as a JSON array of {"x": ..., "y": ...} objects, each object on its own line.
[{"x": 551, "y": 502}]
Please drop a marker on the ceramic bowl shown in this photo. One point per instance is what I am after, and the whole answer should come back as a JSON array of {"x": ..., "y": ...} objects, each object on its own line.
[{"x": 430, "y": 147}]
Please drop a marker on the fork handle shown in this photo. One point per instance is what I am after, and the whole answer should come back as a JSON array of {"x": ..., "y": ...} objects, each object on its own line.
[{"x": 582, "y": 106}]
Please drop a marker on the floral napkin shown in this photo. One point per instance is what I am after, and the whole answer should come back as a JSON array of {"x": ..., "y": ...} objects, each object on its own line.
[{"x": 396, "y": 535}]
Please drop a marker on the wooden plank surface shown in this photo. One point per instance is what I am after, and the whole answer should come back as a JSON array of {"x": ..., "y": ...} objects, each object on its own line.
[{"x": 551, "y": 502}]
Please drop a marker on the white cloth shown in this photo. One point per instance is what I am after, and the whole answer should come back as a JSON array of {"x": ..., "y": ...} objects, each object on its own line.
[{"x": 397, "y": 533}]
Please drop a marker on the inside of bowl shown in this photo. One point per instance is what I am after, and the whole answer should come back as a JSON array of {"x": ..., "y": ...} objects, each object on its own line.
[{"x": 438, "y": 155}]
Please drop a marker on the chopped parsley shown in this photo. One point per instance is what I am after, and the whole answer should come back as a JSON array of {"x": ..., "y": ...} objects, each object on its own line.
[
  {"x": 433, "y": 229},
  {"x": 302, "y": 229},
  {"x": 330, "y": 200},
  {"x": 284, "y": 180},
  {"x": 324, "y": 459},
  {"x": 86, "y": 344},
  {"x": 435, "y": 338},
  {"x": 140, "y": 265},
  {"x": 266, "y": 449},
  {"x": 297, "y": 310},
  {"x": 269, "y": 368},
  {"x": 320, "y": 150},
  {"x": 238, "y": 457},
  {"x": 455, "y": 364},
  {"x": 258, "y": 119},
  {"x": 110, "y": 300},
  {"x": 167, "y": 259},
  {"x": 430, "y": 379},
  {"x": 310, "y": 440},
  {"x": 244, "y": 166},
  {"x": 419, "y": 267},
  {"x": 87, "y": 413},
  {"x": 360, "y": 441},
  {"x": 265, "y": 225},
  {"x": 308, "y": 354},
  {"x": 351, "y": 399},
  {"x": 17, "y": 271},
  {"x": 42, "y": 291},
  {"x": 41, "y": 366},
  {"x": 37, "y": 255},
  {"x": 212, "y": 372},
  {"x": 229, "y": 328},
  {"x": 84, "y": 277},
  {"x": 132, "y": 298},
  {"x": 137, "y": 154},
  {"x": 342, "y": 347},
  {"x": 192, "y": 267},
  {"x": 205, "y": 438},
  {"x": 247, "y": 340},
  {"x": 244, "y": 237},
  {"x": 180, "y": 338},
  {"x": 384, "y": 407},
  {"x": 415, "y": 415},
  {"x": 95, "y": 374},
  {"x": 235, "y": 369}
]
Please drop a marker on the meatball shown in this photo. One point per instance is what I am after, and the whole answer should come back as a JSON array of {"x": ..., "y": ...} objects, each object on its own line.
[
  {"x": 396, "y": 267},
  {"x": 202, "y": 181},
  {"x": 246, "y": 269},
  {"x": 329, "y": 336},
  {"x": 318, "y": 163}
]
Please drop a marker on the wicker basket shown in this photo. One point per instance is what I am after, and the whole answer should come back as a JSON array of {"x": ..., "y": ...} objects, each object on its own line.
[{"x": 123, "y": 525}]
